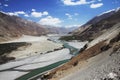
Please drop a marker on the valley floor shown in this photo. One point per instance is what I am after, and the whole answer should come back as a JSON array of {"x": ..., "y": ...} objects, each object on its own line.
[{"x": 40, "y": 53}]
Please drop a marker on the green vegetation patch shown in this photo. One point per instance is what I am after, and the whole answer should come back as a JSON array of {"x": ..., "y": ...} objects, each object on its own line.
[
  {"x": 8, "y": 47},
  {"x": 68, "y": 38}
]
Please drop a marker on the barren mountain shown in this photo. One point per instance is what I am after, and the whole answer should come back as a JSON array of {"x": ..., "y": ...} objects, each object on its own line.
[
  {"x": 100, "y": 60},
  {"x": 59, "y": 30},
  {"x": 96, "y": 26},
  {"x": 13, "y": 26}
]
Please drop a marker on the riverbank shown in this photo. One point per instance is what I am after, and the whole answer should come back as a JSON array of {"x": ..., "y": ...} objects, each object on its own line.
[{"x": 98, "y": 62}]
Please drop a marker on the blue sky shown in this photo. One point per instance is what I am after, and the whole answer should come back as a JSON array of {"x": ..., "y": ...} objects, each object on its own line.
[{"x": 58, "y": 12}]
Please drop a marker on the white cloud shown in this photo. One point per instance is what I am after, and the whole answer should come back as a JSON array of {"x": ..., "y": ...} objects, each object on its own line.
[
  {"x": 11, "y": 13},
  {"x": 68, "y": 15},
  {"x": 20, "y": 12},
  {"x": 99, "y": 0},
  {"x": 33, "y": 10},
  {"x": 17, "y": 13},
  {"x": 49, "y": 20},
  {"x": 33, "y": 14},
  {"x": 39, "y": 14},
  {"x": 76, "y": 14},
  {"x": 6, "y": 5},
  {"x": 0, "y": 3},
  {"x": 26, "y": 15},
  {"x": 45, "y": 13},
  {"x": 36, "y": 14},
  {"x": 73, "y": 2},
  {"x": 96, "y": 5}
]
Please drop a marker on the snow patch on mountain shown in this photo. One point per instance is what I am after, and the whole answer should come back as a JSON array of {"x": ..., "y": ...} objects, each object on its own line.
[{"x": 112, "y": 10}]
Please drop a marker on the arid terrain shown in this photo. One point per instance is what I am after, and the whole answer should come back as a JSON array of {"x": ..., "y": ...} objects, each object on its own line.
[
  {"x": 100, "y": 60},
  {"x": 30, "y": 51}
]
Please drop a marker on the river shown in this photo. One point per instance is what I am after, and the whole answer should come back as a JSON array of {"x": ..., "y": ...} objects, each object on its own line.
[{"x": 37, "y": 72}]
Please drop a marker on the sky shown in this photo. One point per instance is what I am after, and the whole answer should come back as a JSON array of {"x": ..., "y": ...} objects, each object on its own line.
[{"x": 65, "y": 13}]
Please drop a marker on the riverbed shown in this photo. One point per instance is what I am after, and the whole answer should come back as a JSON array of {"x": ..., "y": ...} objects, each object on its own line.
[{"x": 26, "y": 64}]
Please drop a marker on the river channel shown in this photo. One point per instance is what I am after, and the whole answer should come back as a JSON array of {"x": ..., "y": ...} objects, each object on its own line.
[{"x": 39, "y": 71}]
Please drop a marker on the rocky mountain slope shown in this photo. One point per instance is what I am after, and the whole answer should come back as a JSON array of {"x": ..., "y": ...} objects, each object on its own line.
[
  {"x": 100, "y": 60},
  {"x": 96, "y": 26},
  {"x": 13, "y": 26}
]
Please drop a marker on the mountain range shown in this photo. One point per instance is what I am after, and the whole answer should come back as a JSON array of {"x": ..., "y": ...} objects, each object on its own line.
[{"x": 14, "y": 26}]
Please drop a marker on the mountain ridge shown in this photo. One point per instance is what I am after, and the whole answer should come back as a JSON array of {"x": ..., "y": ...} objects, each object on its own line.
[
  {"x": 13, "y": 26},
  {"x": 98, "y": 57},
  {"x": 96, "y": 26}
]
